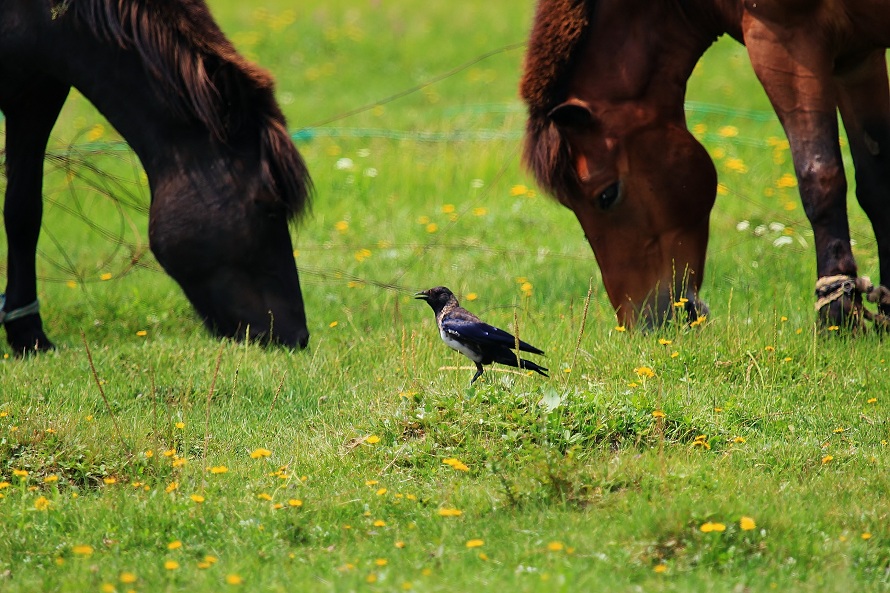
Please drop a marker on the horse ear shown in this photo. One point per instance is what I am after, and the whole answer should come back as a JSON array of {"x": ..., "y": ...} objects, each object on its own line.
[{"x": 573, "y": 113}]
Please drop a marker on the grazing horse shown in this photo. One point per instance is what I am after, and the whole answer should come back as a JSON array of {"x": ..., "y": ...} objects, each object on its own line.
[
  {"x": 225, "y": 177},
  {"x": 605, "y": 83}
]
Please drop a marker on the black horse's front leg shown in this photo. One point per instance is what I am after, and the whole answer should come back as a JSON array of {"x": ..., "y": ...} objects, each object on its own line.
[{"x": 31, "y": 108}]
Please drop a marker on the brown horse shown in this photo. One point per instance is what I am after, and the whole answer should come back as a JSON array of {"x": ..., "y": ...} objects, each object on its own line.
[
  {"x": 225, "y": 177},
  {"x": 605, "y": 82}
]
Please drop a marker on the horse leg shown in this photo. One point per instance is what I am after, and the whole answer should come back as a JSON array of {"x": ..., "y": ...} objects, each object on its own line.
[
  {"x": 31, "y": 110},
  {"x": 796, "y": 71},
  {"x": 865, "y": 108}
]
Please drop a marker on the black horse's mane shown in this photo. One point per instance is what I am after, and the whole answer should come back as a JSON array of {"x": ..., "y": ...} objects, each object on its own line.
[
  {"x": 203, "y": 77},
  {"x": 559, "y": 29}
]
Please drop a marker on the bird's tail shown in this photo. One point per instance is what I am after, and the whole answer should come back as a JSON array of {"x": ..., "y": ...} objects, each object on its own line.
[{"x": 510, "y": 360}]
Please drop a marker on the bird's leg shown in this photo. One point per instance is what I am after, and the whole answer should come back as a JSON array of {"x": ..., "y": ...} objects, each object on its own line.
[{"x": 479, "y": 371}]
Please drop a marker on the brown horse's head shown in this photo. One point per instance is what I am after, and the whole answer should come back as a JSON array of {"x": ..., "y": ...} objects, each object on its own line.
[{"x": 606, "y": 135}]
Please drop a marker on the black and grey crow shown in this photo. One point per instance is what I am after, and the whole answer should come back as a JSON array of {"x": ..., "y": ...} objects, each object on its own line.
[{"x": 472, "y": 337}]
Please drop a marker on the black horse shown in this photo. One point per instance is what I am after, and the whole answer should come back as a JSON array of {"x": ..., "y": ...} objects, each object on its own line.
[{"x": 225, "y": 177}]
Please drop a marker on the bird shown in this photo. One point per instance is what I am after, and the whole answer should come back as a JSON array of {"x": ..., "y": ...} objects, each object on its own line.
[{"x": 480, "y": 342}]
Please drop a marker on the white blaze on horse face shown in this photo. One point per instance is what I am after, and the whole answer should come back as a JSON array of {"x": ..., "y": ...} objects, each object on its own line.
[{"x": 462, "y": 348}]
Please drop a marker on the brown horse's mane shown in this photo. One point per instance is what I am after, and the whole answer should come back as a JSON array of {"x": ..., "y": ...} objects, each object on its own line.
[
  {"x": 559, "y": 29},
  {"x": 204, "y": 78}
]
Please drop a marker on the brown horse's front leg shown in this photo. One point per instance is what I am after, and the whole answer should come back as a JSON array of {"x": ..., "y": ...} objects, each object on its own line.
[
  {"x": 31, "y": 108},
  {"x": 795, "y": 69},
  {"x": 865, "y": 109}
]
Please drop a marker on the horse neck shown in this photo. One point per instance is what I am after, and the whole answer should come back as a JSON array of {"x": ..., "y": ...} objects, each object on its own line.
[
  {"x": 680, "y": 33},
  {"x": 115, "y": 81}
]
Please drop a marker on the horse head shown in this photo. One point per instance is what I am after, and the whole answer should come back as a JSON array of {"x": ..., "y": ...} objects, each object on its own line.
[
  {"x": 606, "y": 135},
  {"x": 225, "y": 177}
]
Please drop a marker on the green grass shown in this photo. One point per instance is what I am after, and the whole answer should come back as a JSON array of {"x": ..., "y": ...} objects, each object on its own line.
[{"x": 572, "y": 483}]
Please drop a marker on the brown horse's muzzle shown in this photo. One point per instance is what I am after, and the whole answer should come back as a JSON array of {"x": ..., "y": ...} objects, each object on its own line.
[{"x": 651, "y": 243}]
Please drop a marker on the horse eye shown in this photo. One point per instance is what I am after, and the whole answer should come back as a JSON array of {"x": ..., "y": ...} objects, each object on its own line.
[{"x": 608, "y": 197}]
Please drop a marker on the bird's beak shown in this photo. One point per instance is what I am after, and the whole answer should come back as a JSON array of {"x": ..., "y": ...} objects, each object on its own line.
[{"x": 421, "y": 295}]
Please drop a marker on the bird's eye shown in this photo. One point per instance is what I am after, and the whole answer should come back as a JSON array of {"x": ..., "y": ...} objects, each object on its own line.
[{"x": 608, "y": 197}]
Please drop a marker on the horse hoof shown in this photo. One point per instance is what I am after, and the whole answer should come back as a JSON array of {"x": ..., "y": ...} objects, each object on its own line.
[{"x": 844, "y": 315}]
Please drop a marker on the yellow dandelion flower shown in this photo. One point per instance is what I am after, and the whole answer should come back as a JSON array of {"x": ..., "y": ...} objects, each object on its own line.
[
  {"x": 210, "y": 559},
  {"x": 738, "y": 440},
  {"x": 295, "y": 502},
  {"x": 82, "y": 550},
  {"x": 620, "y": 328},
  {"x": 770, "y": 348},
  {"x": 142, "y": 333},
  {"x": 709, "y": 527},
  {"x": 149, "y": 454},
  {"x": 180, "y": 425},
  {"x": 555, "y": 546},
  {"x": 786, "y": 181},
  {"x": 110, "y": 480},
  {"x": 381, "y": 562},
  {"x": 371, "y": 578},
  {"x": 659, "y": 414},
  {"x": 866, "y": 535},
  {"x": 518, "y": 190},
  {"x": 105, "y": 276},
  {"x": 20, "y": 473},
  {"x": 107, "y": 588},
  {"x": 432, "y": 227},
  {"x": 169, "y": 452},
  {"x": 675, "y": 354},
  {"x": 4, "y": 484},
  {"x": 660, "y": 568},
  {"x": 728, "y": 131},
  {"x": 833, "y": 328},
  {"x": 234, "y": 579},
  {"x": 699, "y": 321},
  {"x": 872, "y": 400},
  {"x": 480, "y": 211},
  {"x": 379, "y": 523},
  {"x": 448, "y": 208},
  {"x": 372, "y": 439},
  {"x": 644, "y": 371},
  {"x": 219, "y": 469},
  {"x": 197, "y": 498},
  {"x": 128, "y": 578},
  {"x": 264, "y": 496},
  {"x": 50, "y": 479},
  {"x": 171, "y": 487},
  {"x": 475, "y": 543},
  {"x": 342, "y": 226},
  {"x": 471, "y": 296},
  {"x": 171, "y": 564},
  {"x": 747, "y": 524},
  {"x": 174, "y": 545},
  {"x": 664, "y": 342},
  {"x": 827, "y": 459},
  {"x": 42, "y": 503},
  {"x": 445, "y": 512},
  {"x": 371, "y": 482},
  {"x": 381, "y": 491},
  {"x": 334, "y": 324},
  {"x": 260, "y": 453},
  {"x": 400, "y": 544},
  {"x": 71, "y": 284}
]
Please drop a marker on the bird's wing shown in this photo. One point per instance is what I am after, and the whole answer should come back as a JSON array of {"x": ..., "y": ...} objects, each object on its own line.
[{"x": 481, "y": 333}]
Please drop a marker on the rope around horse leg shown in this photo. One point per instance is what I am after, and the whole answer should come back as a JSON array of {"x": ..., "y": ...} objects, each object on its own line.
[
  {"x": 7, "y": 316},
  {"x": 832, "y": 288}
]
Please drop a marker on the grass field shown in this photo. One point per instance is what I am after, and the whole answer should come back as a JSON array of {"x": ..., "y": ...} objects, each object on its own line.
[{"x": 746, "y": 454}]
